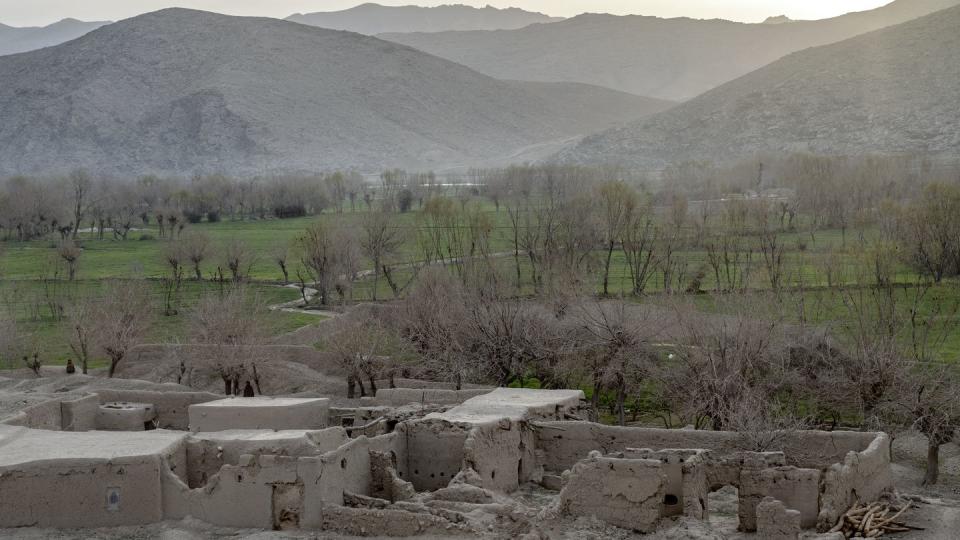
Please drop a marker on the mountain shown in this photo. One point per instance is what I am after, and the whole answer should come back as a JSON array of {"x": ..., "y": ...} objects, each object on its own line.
[
  {"x": 778, "y": 19},
  {"x": 673, "y": 59},
  {"x": 373, "y": 19},
  {"x": 182, "y": 92},
  {"x": 15, "y": 40},
  {"x": 892, "y": 91}
]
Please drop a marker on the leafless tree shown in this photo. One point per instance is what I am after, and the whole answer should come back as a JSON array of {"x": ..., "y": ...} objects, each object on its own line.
[
  {"x": 280, "y": 254},
  {"x": 124, "y": 317},
  {"x": 931, "y": 231},
  {"x": 615, "y": 344},
  {"x": 720, "y": 358},
  {"x": 196, "y": 247},
  {"x": 318, "y": 254},
  {"x": 380, "y": 240},
  {"x": 81, "y": 185},
  {"x": 929, "y": 401},
  {"x": 174, "y": 257},
  {"x": 70, "y": 253},
  {"x": 363, "y": 349},
  {"x": 239, "y": 259},
  {"x": 230, "y": 326},
  {"x": 617, "y": 202},
  {"x": 81, "y": 327},
  {"x": 640, "y": 247}
]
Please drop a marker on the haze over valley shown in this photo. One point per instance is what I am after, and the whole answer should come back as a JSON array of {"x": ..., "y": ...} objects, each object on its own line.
[{"x": 451, "y": 271}]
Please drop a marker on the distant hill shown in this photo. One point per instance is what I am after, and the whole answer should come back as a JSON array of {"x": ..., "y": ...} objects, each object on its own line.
[
  {"x": 673, "y": 59},
  {"x": 15, "y": 40},
  {"x": 779, "y": 19},
  {"x": 373, "y": 19},
  {"x": 183, "y": 92},
  {"x": 892, "y": 91}
]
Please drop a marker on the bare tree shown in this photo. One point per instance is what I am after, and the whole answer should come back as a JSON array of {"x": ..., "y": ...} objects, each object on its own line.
[
  {"x": 239, "y": 259},
  {"x": 362, "y": 349},
  {"x": 70, "y": 253},
  {"x": 81, "y": 185},
  {"x": 82, "y": 327},
  {"x": 124, "y": 316},
  {"x": 230, "y": 326},
  {"x": 196, "y": 247},
  {"x": 931, "y": 232},
  {"x": 615, "y": 346},
  {"x": 280, "y": 254},
  {"x": 174, "y": 257},
  {"x": 617, "y": 204},
  {"x": 380, "y": 240},
  {"x": 432, "y": 320},
  {"x": 930, "y": 401},
  {"x": 640, "y": 239},
  {"x": 318, "y": 254},
  {"x": 721, "y": 357}
]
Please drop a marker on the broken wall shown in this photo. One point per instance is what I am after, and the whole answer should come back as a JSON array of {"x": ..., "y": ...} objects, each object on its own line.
[
  {"x": 860, "y": 476},
  {"x": 624, "y": 492},
  {"x": 434, "y": 452},
  {"x": 276, "y": 491}
]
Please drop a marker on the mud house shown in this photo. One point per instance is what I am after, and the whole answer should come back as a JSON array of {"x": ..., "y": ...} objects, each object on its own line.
[{"x": 274, "y": 464}]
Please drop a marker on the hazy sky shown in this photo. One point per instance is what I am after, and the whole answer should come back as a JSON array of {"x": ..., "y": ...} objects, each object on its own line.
[{"x": 41, "y": 12}]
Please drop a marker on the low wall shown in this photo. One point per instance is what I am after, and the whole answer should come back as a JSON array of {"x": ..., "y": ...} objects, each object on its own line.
[
  {"x": 398, "y": 397},
  {"x": 172, "y": 407},
  {"x": 58, "y": 413},
  {"x": 565, "y": 443}
]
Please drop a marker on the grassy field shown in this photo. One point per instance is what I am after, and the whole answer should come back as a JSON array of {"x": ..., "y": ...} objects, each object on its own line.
[
  {"x": 32, "y": 271},
  {"x": 29, "y": 303}
]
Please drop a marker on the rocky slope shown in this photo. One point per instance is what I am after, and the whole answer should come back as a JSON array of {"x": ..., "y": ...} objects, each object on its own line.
[
  {"x": 182, "y": 92},
  {"x": 375, "y": 19},
  {"x": 15, "y": 40},
  {"x": 673, "y": 59},
  {"x": 891, "y": 91}
]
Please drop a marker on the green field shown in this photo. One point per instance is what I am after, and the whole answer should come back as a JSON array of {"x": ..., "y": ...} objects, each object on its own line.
[{"x": 32, "y": 271}]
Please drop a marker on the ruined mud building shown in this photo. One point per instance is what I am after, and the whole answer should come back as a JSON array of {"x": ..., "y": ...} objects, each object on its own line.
[{"x": 391, "y": 467}]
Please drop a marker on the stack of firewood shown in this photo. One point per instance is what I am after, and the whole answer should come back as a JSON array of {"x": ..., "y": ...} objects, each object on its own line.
[{"x": 872, "y": 521}]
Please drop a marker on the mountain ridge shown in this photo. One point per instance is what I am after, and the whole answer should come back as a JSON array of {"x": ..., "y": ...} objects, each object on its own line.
[
  {"x": 179, "y": 92},
  {"x": 15, "y": 40},
  {"x": 865, "y": 95},
  {"x": 674, "y": 59},
  {"x": 371, "y": 18}
]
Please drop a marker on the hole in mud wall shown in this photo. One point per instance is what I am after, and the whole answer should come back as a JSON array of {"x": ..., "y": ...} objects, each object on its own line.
[
  {"x": 723, "y": 506},
  {"x": 493, "y": 474},
  {"x": 343, "y": 463},
  {"x": 671, "y": 500}
]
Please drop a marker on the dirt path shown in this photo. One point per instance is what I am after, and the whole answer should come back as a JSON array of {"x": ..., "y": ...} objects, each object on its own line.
[
  {"x": 940, "y": 519},
  {"x": 296, "y": 306}
]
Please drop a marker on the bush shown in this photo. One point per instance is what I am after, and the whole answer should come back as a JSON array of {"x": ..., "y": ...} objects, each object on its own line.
[
  {"x": 213, "y": 217},
  {"x": 193, "y": 217},
  {"x": 146, "y": 237}
]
